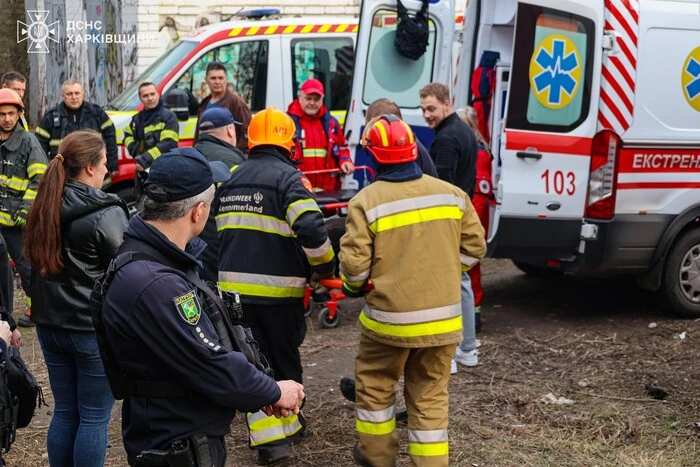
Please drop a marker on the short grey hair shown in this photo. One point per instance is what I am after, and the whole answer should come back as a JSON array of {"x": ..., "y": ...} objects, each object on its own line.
[{"x": 173, "y": 210}]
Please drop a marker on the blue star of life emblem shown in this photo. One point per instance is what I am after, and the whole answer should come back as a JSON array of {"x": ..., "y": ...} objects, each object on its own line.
[
  {"x": 557, "y": 67},
  {"x": 693, "y": 87}
]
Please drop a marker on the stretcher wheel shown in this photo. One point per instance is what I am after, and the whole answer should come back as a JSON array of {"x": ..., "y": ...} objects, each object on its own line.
[{"x": 326, "y": 321}]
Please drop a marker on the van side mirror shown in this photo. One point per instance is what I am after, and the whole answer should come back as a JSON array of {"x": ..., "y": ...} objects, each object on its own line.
[{"x": 176, "y": 100}]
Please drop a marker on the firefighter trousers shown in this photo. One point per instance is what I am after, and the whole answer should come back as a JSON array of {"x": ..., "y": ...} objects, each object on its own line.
[
  {"x": 14, "y": 237},
  {"x": 279, "y": 330},
  {"x": 426, "y": 375}
]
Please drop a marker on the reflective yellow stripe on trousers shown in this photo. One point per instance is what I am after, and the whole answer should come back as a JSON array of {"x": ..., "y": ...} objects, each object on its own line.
[
  {"x": 375, "y": 422},
  {"x": 263, "y": 429},
  {"x": 429, "y": 322},
  {"x": 262, "y": 285},
  {"x": 428, "y": 443}
]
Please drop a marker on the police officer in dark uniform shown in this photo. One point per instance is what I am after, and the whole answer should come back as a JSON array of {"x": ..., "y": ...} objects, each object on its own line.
[
  {"x": 72, "y": 114},
  {"x": 152, "y": 132},
  {"x": 272, "y": 238},
  {"x": 183, "y": 385}
]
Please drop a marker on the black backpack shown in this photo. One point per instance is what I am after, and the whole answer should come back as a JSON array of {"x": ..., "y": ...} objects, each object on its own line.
[
  {"x": 23, "y": 386},
  {"x": 411, "y": 40}
]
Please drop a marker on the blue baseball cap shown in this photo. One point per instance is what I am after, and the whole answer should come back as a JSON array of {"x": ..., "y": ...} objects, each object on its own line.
[
  {"x": 183, "y": 173},
  {"x": 216, "y": 117}
]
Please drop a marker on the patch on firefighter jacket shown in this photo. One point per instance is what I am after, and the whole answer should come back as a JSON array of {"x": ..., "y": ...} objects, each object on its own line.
[
  {"x": 307, "y": 184},
  {"x": 188, "y": 307},
  {"x": 484, "y": 186}
]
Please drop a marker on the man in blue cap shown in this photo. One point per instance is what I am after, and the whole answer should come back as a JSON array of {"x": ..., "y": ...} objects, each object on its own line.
[
  {"x": 180, "y": 378},
  {"x": 217, "y": 141}
]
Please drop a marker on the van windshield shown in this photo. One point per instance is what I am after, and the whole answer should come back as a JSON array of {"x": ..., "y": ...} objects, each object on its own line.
[{"x": 129, "y": 98}]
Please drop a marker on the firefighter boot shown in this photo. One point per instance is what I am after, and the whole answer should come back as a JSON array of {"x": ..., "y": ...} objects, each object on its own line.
[
  {"x": 273, "y": 455},
  {"x": 359, "y": 458}
]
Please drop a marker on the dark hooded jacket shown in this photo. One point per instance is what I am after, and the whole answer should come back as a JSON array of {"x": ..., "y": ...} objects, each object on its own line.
[{"x": 92, "y": 227}]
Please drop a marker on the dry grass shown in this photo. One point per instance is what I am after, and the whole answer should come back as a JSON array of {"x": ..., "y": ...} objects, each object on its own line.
[{"x": 496, "y": 417}]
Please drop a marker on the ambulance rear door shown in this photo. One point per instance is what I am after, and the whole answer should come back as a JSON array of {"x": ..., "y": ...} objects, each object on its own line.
[
  {"x": 380, "y": 72},
  {"x": 550, "y": 122}
]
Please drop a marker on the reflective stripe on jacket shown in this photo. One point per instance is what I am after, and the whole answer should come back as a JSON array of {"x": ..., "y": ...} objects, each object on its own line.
[
  {"x": 146, "y": 143},
  {"x": 271, "y": 231},
  {"x": 54, "y": 126},
  {"x": 411, "y": 239},
  {"x": 320, "y": 145},
  {"x": 23, "y": 164}
]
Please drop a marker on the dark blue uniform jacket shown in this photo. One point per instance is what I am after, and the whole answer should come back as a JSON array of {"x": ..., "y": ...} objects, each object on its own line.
[{"x": 154, "y": 339}]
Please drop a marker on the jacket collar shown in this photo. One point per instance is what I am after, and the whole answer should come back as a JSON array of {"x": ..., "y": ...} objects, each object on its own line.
[
  {"x": 141, "y": 230},
  {"x": 398, "y": 172},
  {"x": 269, "y": 152},
  {"x": 12, "y": 143},
  {"x": 214, "y": 140},
  {"x": 447, "y": 121}
]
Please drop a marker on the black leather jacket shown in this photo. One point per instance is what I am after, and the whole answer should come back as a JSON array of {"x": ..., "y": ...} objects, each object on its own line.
[{"x": 92, "y": 226}]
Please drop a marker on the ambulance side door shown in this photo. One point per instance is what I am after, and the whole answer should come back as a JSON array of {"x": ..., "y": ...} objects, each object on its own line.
[
  {"x": 550, "y": 122},
  {"x": 380, "y": 72}
]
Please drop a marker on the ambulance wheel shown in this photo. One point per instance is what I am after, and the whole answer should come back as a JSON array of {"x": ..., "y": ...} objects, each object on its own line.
[
  {"x": 681, "y": 281},
  {"x": 325, "y": 319},
  {"x": 537, "y": 271}
]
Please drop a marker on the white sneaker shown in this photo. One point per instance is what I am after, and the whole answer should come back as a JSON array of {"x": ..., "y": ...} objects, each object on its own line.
[
  {"x": 478, "y": 343},
  {"x": 453, "y": 368},
  {"x": 466, "y": 358}
]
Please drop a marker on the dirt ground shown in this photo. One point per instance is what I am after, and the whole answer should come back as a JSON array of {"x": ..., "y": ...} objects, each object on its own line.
[{"x": 592, "y": 345}]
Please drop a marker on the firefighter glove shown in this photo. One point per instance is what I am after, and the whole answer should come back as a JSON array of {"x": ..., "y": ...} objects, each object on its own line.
[
  {"x": 21, "y": 217},
  {"x": 352, "y": 292}
]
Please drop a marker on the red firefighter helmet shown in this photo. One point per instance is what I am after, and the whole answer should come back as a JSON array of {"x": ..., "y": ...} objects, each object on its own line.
[
  {"x": 10, "y": 97},
  {"x": 390, "y": 140}
]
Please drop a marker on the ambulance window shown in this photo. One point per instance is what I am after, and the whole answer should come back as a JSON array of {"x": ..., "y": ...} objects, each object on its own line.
[
  {"x": 246, "y": 72},
  {"x": 330, "y": 61},
  {"x": 129, "y": 98},
  {"x": 388, "y": 74},
  {"x": 550, "y": 86}
]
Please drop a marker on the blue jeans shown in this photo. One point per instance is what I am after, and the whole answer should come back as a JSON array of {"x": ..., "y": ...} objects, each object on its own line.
[
  {"x": 83, "y": 400},
  {"x": 468, "y": 331}
]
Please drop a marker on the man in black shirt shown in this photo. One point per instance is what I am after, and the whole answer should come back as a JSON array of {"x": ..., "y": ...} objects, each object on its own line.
[{"x": 454, "y": 147}]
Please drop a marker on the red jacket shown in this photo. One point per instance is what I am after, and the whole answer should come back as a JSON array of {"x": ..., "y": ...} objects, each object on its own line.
[
  {"x": 483, "y": 192},
  {"x": 317, "y": 148}
]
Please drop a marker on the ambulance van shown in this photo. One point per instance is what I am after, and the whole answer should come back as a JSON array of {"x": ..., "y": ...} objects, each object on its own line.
[
  {"x": 594, "y": 122},
  {"x": 267, "y": 57}
]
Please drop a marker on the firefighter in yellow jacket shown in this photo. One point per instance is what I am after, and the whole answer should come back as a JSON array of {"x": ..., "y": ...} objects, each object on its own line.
[{"x": 410, "y": 234}]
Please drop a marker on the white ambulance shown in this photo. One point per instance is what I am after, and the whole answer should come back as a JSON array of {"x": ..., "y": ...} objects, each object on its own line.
[
  {"x": 267, "y": 57},
  {"x": 595, "y": 126}
]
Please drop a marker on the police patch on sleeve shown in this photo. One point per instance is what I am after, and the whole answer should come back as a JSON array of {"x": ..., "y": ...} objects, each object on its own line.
[
  {"x": 307, "y": 184},
  {"x": 484, "y": 186},
  {"x": 188, "y": 307}
]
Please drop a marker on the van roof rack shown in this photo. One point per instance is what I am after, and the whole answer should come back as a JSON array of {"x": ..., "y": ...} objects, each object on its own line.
[{"x": 258, "y": 14}]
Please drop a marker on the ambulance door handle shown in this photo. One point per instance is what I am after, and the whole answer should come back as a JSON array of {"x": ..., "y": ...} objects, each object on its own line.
[{"x": 530, "y": 153}]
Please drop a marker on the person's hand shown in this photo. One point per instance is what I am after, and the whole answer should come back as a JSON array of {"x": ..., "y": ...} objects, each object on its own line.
[
  {"x": 21, "y": 217},
  {"x": 139, "y": 167},
  {"x": 16, "y": 339},
  {"x": 288, "y": 403},
  {"x": 113, "y": 173},
  {"x": 347, "y": 167},
  {"x": 5, "y": 333}
]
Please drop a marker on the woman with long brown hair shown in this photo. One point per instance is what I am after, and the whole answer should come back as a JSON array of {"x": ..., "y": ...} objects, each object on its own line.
[{"x": 73, "y": 231}]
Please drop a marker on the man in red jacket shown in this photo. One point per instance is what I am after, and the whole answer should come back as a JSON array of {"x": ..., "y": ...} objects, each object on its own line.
[{"x": 320, "y": 141}]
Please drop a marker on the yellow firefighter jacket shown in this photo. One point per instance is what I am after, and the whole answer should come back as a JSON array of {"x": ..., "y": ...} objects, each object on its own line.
[{"x": 411, "y": 239}]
